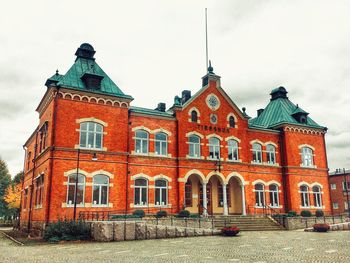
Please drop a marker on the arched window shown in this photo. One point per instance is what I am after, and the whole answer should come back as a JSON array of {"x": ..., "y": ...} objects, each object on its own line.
[
  {"x": 232, "y": 150},
  {"x": 214, "y": 148},
  {"x": 317, "y": 196},
  {"x": 274, "y": 195},
  {"x": 271, "y": 154},
  {"x": 231, "y": 121},
  {"x": 100, "y": 188},
  {"x": 161, "y": 140},
  {"x": 91, "y": 135},
  {"x": 188, "y": 193},
  {"x": 304, "y": 195},
  {"x": 194, "y": 116},
  {"x": 257, "y": 153},
  {"x": 259, "y": 195},
  {"x": 161, "y": 187},
  {"x": 307, "y": 157},
  {"x": 39, "y": 190},
  {"x": 71, "y": 189},
  {"x": 141, "y": 142},
  {"x": 194, "y": 146},
  {"x": 141, "y": 192}
]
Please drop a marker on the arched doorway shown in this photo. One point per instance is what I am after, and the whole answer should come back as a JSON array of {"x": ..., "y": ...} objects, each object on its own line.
[
  {"x": 193, "y": 194},
  {"x": 235, "y": 196}
]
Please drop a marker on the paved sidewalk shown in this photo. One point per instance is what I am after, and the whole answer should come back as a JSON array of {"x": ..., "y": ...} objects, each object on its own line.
[{"x": 276, "y": 246}]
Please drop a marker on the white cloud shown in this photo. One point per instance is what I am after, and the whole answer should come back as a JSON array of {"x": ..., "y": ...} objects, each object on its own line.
[{"x": 155, "y": 49}]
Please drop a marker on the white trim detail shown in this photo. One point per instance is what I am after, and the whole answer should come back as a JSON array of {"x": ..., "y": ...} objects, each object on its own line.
[
  {"x": 141, "y": 128},
  {"x": 257, "y": 141},
  {"x": 194, "y": 109},
  {"x": 103, "y": 172},
  {"x": 306, "y": 145},
  {"x": 232, "y": 138},
  {"x": 92, "y": 119},
  {"x": 195, "y": 133},
  {"x": 213, "y": 173},
  {"x": 273, "y": 182},
  {"x": 237, "y": 175},
  {"x": 259, "y": 181},
  {"x": 189, "y": 173},
  {"x": 141, "y": 176},
  {"x": 214, "y": 135}
]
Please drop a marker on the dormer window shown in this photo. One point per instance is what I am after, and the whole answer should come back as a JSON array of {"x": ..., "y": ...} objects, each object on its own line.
[
  {"x": 300, "y": 115},
  {"x": 92, "y": 81}
]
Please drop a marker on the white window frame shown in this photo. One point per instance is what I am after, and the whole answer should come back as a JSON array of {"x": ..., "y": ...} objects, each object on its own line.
[
  {"x": 344, "y": 185},
  {"x": 214, "y": 147},
  {"x": 333, "y": 186},
  {"x": 159, "y": 143},
  {"x": 73, "y": 184},
  {"x": 90, "y": 133},
  {"x": 260, "y": 193},
  {"x": 100, "y": 185},
  {"x": 144, "y": 142},
  {"x": 305, "y": 196},
  {"x": 271, "y": 154},
  {"x": 274, "y": 195},
  {"x": 307, "y": 157},
  {"x": 195, "y": 146},
  {"x": 161, "y": 189},
  {"x": 232, "y": 146},
  {"x": 316, "y": 191},
  {"x": 257, "y": 153},
  {"x": 140, "y": 203},
  {"x": 335, "y": 205}
]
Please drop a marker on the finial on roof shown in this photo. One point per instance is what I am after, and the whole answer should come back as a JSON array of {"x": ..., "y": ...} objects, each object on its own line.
[
  {"x": 297, "y": 105},
  {"x": 244, "y": 109},
  {"x": 210, "y": 68},
  {"x": 57, "y": 72}
]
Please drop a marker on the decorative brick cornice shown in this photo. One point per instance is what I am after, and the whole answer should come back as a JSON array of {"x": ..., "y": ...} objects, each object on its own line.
[{"x": 303, "y": 130}]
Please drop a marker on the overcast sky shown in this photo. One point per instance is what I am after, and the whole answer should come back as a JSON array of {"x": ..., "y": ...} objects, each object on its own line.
[{"x": 155, "y": 49}]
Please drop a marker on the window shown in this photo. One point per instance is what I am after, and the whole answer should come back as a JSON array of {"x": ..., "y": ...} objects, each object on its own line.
[
  {"x": 346, "y": 205},
  {"x": 194, "y": 144},
  {"x": 274, "y": 195},
  {"x": 231, "y": 121},
  {"x": 232, "y": 150},
  {"x": 100, "y": 189},
  {"x": 335, "y": 206},
  {"x": 221, "y": 196},
  {"x": 304, "y": 195},
  {"x": 161, "y": 144},
  {"x": 257, "y": 154},
  {"x": 29, "y": 159},
  {"x": 42, "y": 137},
  {"x": 39, "y": 188},
  {"x": 71, "y": 189},
  {"x": 194, "y": 116},
  {"x": 141, "y": 192},
  {"x": 161, "y": 187},
  {"x": 25, "y": 198},
  {"x": 141, "y": 142},
  {"x": 317, "y": 196},
  {"x": 214, "y": 148},
  {"x": 333, "y": 186},
  {"x": 188, "y": 194},
  {"x": 259, "y": 195},
  {"x": 346, "y": 185},
  {"x": 91, "y": 135},
  {"x": 271, "y": 154},
  {"x": 307, "y": 157}
]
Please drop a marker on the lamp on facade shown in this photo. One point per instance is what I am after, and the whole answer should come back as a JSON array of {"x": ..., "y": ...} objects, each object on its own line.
[
  {"x": 218, "y": 165},
  {"x": 94, "y": 158}
]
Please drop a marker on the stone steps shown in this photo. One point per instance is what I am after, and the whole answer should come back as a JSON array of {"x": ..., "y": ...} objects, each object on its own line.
[{"x": 247, "y": 223}]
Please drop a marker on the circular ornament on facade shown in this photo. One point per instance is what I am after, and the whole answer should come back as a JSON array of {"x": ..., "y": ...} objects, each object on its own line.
[
  {"x": 213, "y": 118},
  {"x": 213, "y": 102}
]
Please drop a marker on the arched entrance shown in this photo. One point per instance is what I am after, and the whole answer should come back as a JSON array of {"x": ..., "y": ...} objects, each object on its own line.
[
  {"x": 194, "y": 194},
  {"x": 234, "y": 193}
]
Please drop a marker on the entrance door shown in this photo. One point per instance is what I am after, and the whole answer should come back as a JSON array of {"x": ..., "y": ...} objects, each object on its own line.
[{"x": 209, "y": 204}]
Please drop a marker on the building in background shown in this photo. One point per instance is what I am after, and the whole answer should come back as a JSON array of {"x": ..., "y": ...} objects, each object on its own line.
[
  {"x": 339, "y": 182},
  {"x": 92, "y": 152}
]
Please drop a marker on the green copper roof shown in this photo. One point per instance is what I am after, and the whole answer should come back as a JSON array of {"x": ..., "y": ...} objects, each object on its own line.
[
  {"x": 279, "y": 111},
  {"x": 85, "y": 66},
  {"x": 150, "y": 112}
]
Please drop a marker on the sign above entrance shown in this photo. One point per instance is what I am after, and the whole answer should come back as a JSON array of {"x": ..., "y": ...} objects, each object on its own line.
[{"x": 213, "y": 128}]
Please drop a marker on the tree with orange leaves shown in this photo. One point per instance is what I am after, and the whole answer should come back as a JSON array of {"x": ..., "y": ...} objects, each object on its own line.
[{"x": 13, "y": 196}]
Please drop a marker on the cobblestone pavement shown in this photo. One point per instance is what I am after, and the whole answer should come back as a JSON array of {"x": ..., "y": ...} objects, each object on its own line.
[{"x": 277, "y": 246}]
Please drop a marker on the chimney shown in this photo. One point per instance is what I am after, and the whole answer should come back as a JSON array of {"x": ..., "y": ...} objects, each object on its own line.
[
  {"x": 161, "y": 107},
  {"x": 186, "y": 95},
  {"x": 260, "y": 111}
]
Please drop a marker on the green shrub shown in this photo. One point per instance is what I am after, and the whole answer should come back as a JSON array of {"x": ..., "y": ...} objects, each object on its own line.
[
  {"x": 292, "y": 213},
  {"x": 139, "y": 213},
  {"x": 184, "y": 213},
  {"x": 67, "y": 230},
  {"x": 161, "y": 213},
  {"x": 319, "y": 213},
  {"x": 305, "y": 213}
]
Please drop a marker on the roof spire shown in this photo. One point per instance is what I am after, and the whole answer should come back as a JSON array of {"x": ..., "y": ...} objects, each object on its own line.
[
  {"x": 56, "y": 71},
  {"x": 210, "y": 68}
]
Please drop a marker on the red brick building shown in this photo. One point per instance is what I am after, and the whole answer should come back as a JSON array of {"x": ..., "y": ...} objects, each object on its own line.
[
  {"x": 203, "y": 153},
  {"x": 339, "y": 182}
]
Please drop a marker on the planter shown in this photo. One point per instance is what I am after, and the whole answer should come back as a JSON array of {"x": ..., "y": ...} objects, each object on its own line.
[
  {"x": 321, "y": 227},
  {"x": 230, "y": 231}
]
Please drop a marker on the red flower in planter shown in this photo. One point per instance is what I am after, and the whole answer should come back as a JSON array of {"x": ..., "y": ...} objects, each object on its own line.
[
  {"x": 230, "y": 231},
  {"x": 321, "y": 227}
]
